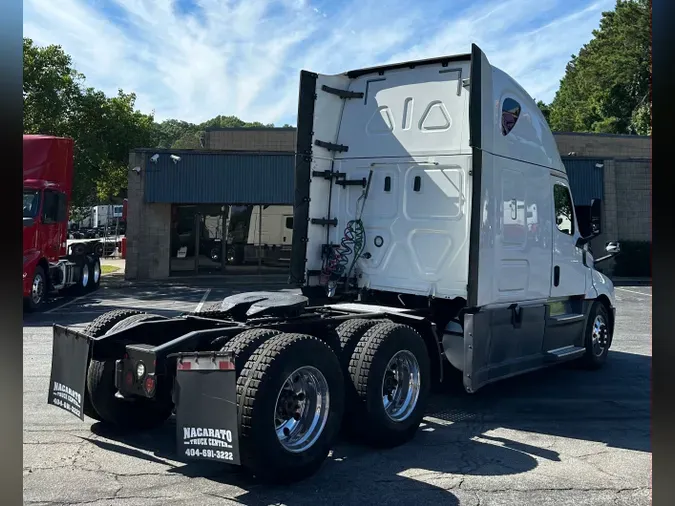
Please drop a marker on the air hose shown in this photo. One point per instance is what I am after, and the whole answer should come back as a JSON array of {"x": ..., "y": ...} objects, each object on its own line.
[{"x": 353, "y": 242}]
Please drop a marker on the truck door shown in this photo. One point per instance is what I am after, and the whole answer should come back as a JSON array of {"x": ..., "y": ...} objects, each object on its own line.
[
  {"x": 54, "y": 224},
  {"x": 568, "y": 278}
]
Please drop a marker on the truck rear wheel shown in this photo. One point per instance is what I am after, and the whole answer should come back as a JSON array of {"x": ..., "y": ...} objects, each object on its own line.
[
  {"x": 291, "y": 402},
  {"x": 135, "y": 413},
  {"x": 82, "y": 285},
  {"x": 391, "y": 372},
  {"x": 94, "y": 273},
  {"x": 350, "y": 333},
  {"x": 243, "y": 345},
  {"x": 97, "y": 328}
]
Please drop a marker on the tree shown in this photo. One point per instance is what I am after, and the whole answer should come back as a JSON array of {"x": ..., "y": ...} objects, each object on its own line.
[
  {"x": 104, "y": 129},
  {"x": 189, "y": 140},
  {"x": 166, "y": 133},
  {"x": 605, "y": 88},
  {"x": 51, "y": 88},
  {"x": 545, "y": 109}
]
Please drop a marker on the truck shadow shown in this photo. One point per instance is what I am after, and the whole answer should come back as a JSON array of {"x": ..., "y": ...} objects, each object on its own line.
[{"x": 462, "y": 436}]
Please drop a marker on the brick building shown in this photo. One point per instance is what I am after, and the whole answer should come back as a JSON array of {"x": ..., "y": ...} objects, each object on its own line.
[
  {"x": 180, "y": 212},
  {"x": 616, "y": 169},
  {"x": 250, "y": 139}
]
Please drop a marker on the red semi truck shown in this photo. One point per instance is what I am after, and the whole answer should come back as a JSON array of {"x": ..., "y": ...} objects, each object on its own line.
[{"x": 49, "y": 265}]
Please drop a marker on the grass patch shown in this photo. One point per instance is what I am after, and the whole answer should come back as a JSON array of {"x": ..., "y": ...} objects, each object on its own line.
[{"x": 108, "y": 269}]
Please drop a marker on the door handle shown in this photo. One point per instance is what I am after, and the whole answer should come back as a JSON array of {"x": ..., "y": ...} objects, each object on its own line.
[{"x": 556, "y": 275}]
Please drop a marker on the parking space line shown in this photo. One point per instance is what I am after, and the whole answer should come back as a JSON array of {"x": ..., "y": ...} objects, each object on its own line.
[
  {"x": 201, "y": 302},
  {"x": 633, "y": 291},
  {"x": 67, "y": 303}
]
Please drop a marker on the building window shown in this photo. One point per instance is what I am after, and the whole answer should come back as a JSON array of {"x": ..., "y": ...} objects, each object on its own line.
[
  {"x": 510, "y": 114},
  {"x": 564, "y": 215}
]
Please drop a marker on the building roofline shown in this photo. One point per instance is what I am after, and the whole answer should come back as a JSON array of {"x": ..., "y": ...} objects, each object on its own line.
[
  {"x": 248, "y": 129},
  {"x": 211, "y": 151}
]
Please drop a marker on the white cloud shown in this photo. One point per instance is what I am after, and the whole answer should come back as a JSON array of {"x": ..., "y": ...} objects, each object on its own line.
[{"x": 243, "y": 57}]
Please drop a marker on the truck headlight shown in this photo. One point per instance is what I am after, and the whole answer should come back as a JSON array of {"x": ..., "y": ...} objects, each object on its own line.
[{"x": 140, "y": 370}]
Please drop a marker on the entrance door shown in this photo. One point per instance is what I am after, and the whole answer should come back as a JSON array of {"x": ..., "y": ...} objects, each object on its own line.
[
  {"x": 184, "y": 221},
  {"x": 569, "y": 272},
  {"x": 210, "y": 244}
]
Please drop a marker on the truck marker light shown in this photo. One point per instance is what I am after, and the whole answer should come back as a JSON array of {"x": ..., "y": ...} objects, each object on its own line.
[
  {"x": 140, "y": 370},
  {"x": 184, "y": 366},
  {"x": 226, "y": 366},
  {"x": 129, "y": 379},
  {"x": 149, "y": 385}
]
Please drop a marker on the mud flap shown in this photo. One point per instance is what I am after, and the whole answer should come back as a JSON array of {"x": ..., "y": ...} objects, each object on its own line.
[
  {"x": 206, "y": 407},
  {"x": 70, "y": 357}
]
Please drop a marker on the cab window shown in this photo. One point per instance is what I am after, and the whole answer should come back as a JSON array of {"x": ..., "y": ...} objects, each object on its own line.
[
  {"x": 510, "y": 115},
  {"x": 564, "y": 215}
]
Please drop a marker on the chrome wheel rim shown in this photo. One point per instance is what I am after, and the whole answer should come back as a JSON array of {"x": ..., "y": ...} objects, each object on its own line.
[
  {"x": 401, "y": 386},
  {"x": 85, "y": 275},
  {"x": 97, "y": 272},
  {"x": 302, "y": 409},
  {"x": 37, "y": 291},
  {"x": 599, "y": 335}
]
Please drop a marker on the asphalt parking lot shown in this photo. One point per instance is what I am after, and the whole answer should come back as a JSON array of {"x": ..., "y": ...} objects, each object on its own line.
[{"x": 555, "y": 437}]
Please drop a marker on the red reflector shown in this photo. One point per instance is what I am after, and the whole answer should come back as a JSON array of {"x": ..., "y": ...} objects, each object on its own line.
[
  {"x": 129, "y": 378},
  {"x": 184, "y": 366},
  {"x": 149, "y": 384},
  {"x": 226, "y": 366}
]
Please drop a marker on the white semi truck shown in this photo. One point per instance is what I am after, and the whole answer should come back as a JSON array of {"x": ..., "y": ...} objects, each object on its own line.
[{"x": 404, "y": 268}]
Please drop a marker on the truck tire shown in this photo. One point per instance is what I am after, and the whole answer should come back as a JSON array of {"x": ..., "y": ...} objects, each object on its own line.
[
  {"x": 131, "y": 414},
  {"x": 102, "y": 324},
  {"x": 99, "y": 250},
  {"x": 390, "y": 404},
  {"x": 211, "y": 307},
  {"x": 97, "y": 328},
  {"x": 243, "y": 345},
  {"x": 281, "y": 440},
  {"x": 82, "y": 285},
  {"x": 94, "y": 273},
  {"x": 597, "y": 337},
  {"x": 78, "y": 249},
  {"x": 350, "y": 333},
  {"x": 38, "y": 291}
]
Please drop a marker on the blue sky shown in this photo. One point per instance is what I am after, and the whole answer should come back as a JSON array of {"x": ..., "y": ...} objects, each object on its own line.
[{"x": 195, "y": 59}]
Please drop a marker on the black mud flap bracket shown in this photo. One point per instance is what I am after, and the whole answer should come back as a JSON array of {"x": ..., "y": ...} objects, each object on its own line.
[
  {"x": 70, "y": 358},
  {"x": 207, "y": 425}
]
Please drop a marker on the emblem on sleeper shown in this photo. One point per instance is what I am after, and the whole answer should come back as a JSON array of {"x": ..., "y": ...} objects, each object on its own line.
[
  {"x": 66, "y": 398},
  {"x": 198, "y": 436}
]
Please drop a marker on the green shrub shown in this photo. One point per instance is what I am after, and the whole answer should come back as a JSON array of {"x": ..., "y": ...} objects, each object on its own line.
[{"x": 635, "y": 259}]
